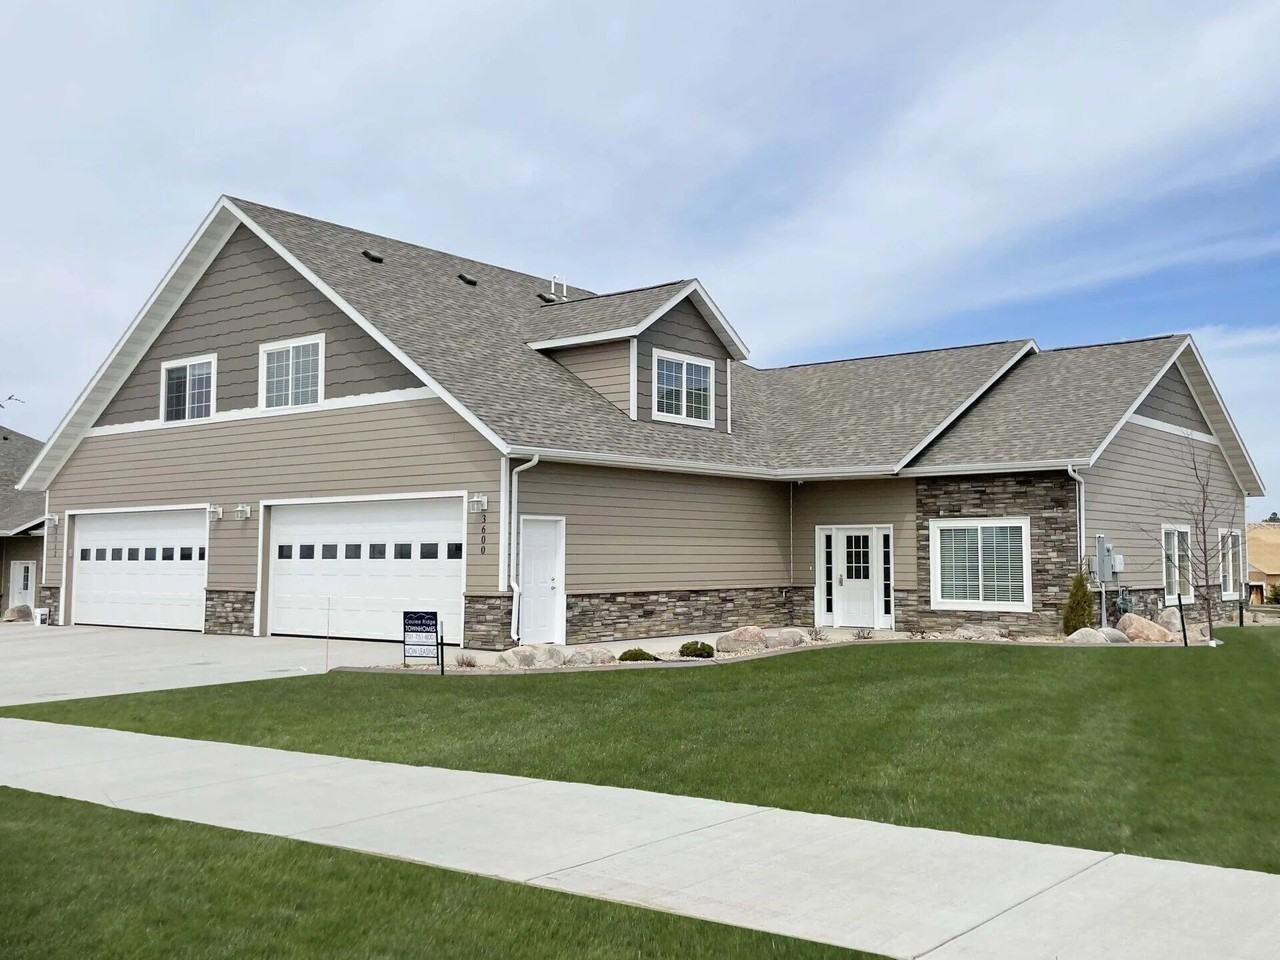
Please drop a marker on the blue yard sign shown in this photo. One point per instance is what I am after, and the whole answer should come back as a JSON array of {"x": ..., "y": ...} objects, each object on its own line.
[{"x": 422, "y": 637}]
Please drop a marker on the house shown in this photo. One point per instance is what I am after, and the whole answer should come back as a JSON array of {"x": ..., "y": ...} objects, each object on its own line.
[
  {"x": 309, "y": 429},
  {"x": 1264, "y": 560},
  {"x": 21, "y": 522}
]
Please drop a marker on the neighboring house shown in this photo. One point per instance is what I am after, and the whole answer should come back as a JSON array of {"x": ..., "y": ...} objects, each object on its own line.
[
  {"x": 21, "y": 523},
  {"x": 1264, "y": 560},
  {"x": 309, "y": 429}
]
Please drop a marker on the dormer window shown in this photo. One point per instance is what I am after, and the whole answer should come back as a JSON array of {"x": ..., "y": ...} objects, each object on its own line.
[
  {"x": 188, "y": 387},
  {"x": 683, "y": 389},
  {"x": 291, "y": 372}
]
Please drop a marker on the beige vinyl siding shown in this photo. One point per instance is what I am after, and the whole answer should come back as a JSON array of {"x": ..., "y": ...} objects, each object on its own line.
[
  {"x": 1144, "y": 479},
  {"x": 646, "y": 530},
  {"x": 408, "y": 447},
  {"x": 250, "y": 296},
  {"x": 13, "y": 549},
  {"x": 853, "y": 503},
  {"x": 682, "y": 330},
  {"x": 1170, "y": 401},
  {"x": 605, "y": 367}
]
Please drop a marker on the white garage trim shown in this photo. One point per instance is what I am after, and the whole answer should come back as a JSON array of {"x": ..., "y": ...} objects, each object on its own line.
[
  {"x": 66, "y": 602},
  {"x": 261, "y": 628}
]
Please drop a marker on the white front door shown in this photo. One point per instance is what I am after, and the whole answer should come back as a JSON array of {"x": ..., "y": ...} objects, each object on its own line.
[
  {"x": 140, "y": 568},
  {"x": 542, "y": 599},
  {"x": 351, "y": 569},
  {"x": 22, "y": 583},
  {"x": 855, "y": 587}
]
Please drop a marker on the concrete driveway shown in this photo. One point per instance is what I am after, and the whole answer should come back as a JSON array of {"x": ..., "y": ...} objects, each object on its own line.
[{"x": 67, "y": 663}]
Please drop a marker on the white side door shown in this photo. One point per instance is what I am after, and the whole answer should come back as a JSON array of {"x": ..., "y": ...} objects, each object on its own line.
[
  {"x": 855, "y": 586},
  {"x": 542, "y": 598},
  {"x": 22, "y": 583}
]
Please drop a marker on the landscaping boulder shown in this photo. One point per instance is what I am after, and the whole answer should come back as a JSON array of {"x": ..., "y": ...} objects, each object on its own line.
[
  {"x": 519, "y": 657},
  {"x": 1141, "y": 630},
  {"x": 743, "y": 638},
  {"x": 1113, "y": 635},
  {"x": 601, "y": 656},
  {"x": 19, "y": 613},
  {"x": 1169, "y": 619},
  {"x": 549, "y": 654},
  {"x": 579, "y": 658},
  {"x": 785, "y": 638},
  {"x": 1087, "y": 635}
]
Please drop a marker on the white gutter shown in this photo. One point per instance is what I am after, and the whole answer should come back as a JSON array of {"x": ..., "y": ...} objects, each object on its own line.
[{"x": 514, "y": 514}]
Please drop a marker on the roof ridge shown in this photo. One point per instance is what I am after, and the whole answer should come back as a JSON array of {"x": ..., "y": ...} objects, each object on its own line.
[
  {"x": 618, "y": 293},
  {"x": 1117, "y": 343},
  {"x": 886, "y": 356},
  {"x": 407, "y": 243}
]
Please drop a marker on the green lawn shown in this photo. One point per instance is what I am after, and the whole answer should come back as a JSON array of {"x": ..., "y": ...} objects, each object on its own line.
[
  {"x": 86, "y": 881},
  {"x": 1163, "y": 752}
]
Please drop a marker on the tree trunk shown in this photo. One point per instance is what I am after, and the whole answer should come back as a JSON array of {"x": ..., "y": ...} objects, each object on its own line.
[{"x": 1208, "y": 614}]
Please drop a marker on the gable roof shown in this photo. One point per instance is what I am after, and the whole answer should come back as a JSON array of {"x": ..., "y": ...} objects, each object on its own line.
[
  {"x": 19, "y": 510},
  {"x": 1264, "y": 548},
  {"x": 999, "y": 404},
  {"x": 628, "y": 313}
]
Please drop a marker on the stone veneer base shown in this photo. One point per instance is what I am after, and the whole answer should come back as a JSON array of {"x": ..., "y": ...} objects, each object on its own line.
[
  {"x": 51, "y": 597},
  {"x": 229, "y": 612},
  {"x": 1149, "y": 603},
  {"x": 669, "y": 613},
  {"x": 488, "y": 621}
]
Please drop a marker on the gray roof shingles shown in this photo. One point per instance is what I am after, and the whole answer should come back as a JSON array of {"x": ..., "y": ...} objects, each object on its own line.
[
  {"x": 852, "y": 414},
  {"x": 17, "y": 508}
]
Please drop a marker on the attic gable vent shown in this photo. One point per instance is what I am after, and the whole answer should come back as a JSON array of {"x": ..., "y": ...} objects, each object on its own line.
[
  {"x": 469, "y": 280},
  {"x": 372, "y": 255}
]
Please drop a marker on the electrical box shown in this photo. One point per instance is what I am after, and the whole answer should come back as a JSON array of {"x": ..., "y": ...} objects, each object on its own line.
[
  {"x": 1117, "y": 563},
  {"x": 1104, "y": 569}
]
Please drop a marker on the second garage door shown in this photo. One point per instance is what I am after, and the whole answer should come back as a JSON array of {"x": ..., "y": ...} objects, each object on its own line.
[{"x": 352, "y": 569}]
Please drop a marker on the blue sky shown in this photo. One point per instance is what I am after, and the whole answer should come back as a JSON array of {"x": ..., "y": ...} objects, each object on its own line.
[{"x": 846, "y": 178}]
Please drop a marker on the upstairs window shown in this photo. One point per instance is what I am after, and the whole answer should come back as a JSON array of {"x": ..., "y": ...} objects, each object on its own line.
[
  {"x": 683, "y": 389},
  {"x": 188, "y": 387},
  {"x": 981, "y": 564},
  {"x": 291, "y": 372}
]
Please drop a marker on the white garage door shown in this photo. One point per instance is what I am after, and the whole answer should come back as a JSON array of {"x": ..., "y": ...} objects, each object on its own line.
[
  {"x": 352, "y": 569},
  {"x": 144, "y": 569}
]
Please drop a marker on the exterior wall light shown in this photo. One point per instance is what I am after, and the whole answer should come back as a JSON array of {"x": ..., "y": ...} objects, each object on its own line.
[
  {"x": 215, "y": 511},
  {"x": 478, "y": 503},
  {"x": 244, "y": 511}
]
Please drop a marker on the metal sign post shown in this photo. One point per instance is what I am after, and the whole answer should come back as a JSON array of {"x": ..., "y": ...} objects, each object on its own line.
[{"x": 423, "y": 638}]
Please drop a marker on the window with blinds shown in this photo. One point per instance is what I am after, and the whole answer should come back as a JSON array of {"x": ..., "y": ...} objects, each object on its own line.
[{"x": 981, "y": 564}]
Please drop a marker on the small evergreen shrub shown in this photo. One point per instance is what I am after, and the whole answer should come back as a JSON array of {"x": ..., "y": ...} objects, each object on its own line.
[
  {"x": 696, "y": 648},
  {"x": 1274, "y": 596},
  {"x": 635, "y": 653},
  {"x": 1078, "y": 610}
]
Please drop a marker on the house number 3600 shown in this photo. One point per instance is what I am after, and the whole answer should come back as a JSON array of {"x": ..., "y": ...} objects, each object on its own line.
[{"x": 484, "y": 519}]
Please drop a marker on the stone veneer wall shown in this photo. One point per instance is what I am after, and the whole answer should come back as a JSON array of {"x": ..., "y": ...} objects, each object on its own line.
[
  {"x": 229, "y": 612},
  {"x": 669, "y": 613},
  {"x": 1149, "y": 603},
  {"x": 1048, "y": 498},
  {"x": 50, "y": 597},
  {"x": 488, "y": 622}
]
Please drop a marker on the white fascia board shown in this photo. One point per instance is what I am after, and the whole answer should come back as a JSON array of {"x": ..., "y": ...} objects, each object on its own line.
[
  {"x": 1133, "y": 407},
  {"x": 698, "y": 467},
  {"x": 694, "y": 289},
  {"x": 355, "y": 316},
  {"x": 168, "y": 295},
  {"x": 1204, "y": 369},
  {"x": 1010, "y": 467},
  {"x": 1029, "y": 347}
]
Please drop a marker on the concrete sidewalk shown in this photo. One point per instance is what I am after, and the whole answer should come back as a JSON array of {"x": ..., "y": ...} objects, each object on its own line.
[{"x": 898, "y": 891}]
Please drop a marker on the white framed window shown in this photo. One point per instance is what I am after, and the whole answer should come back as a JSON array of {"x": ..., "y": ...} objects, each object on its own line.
[
  {"x": 188, "y": 388},
  {"x": 981, "y": 564},
  {"x": 1176, "y": 540},
  {"x": 1230, "y": 564},
  {"x": 291, "y": 372},
  {"x": 684, "y": 389}
]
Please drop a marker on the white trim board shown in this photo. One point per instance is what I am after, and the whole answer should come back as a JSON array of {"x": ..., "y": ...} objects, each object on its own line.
[
  {"x": 255, "y": 413},
  {"x": 1185, "y": 432}
]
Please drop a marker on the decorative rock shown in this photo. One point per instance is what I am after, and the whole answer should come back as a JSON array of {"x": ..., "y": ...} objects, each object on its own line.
[
  {"x": 785, "y": 638},
  {"x": 520, "y": 656},
  {"x": 982, "y": 631},
  {"x": 579, "y": 658},
  {"x": 741, "y": 639},
  {"x": 548, "y": 654},
  {"x": 1169, "y": 619},
  {"x": 1141, "y": 630},
  {"x": 1087, "y": 635},
  {"x": 20, "y": 612},
  {"x": 1112, "y": 635},
  {"x": 599, "y": 656}
]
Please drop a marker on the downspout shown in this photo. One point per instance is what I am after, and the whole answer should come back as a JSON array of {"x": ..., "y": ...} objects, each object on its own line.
[
  {"x": 1075, "y": 475},
  {"x": 514, "y": 514}
]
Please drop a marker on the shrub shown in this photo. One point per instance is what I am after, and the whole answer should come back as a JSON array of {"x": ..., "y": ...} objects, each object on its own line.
[
  {"x": 635, "y": 653},
  {"x": 465, "y": 660},
  {"x": 696, "y": 648},
  {"x": 1077, "y": 612},
  {"x": 1274, "y": 596}
]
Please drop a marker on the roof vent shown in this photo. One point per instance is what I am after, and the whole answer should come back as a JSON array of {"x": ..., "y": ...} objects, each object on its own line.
[
  {"x": 372, "y": 256},
  {"x": 548, "y": 297},
  {"x": 469, "y": 280}
]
